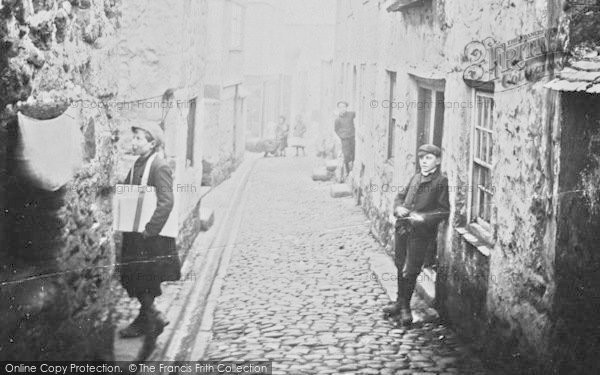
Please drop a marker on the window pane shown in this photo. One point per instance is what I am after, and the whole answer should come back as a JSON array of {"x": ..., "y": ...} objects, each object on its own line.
[
  {"x": 478, "y": 144},
  {"x": 490, "y": 144},
  {"x": 485, "y": 113},
  {"x": 491, "y": 113},
  {"x": 475, "y": 195},
  {"x": 479, "y": 110},
  {"x": 481, "y": 198},
  {"x": 484, "y": 146}
]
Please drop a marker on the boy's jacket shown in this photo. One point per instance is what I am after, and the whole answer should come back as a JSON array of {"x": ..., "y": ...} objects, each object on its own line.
[{"x": 428, "y": 197}]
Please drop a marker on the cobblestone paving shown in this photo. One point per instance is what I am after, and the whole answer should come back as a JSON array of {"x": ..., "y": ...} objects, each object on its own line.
[{"x": 299, "y": 291}]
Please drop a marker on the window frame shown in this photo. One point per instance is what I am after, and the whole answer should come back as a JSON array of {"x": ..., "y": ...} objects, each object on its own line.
[{"x": 482, "y": 228}]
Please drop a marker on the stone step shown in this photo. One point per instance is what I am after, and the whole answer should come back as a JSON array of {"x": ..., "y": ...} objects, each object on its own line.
[
  {"x": 321, "y": 174},
  {"x": 331, "y": 165},
  {"x": 207, "y": 217},
  {"x": 340, "y": 191}
]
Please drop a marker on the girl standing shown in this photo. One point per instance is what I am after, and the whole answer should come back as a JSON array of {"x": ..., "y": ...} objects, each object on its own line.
[{"x": 147, "y": 258}]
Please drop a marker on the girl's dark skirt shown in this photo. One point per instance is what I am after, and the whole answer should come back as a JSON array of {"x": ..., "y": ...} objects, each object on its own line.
[{"x": 145, "y": 263}]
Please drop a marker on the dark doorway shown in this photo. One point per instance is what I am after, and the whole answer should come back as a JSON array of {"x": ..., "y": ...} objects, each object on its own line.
[{"x": 577, "y": 262}]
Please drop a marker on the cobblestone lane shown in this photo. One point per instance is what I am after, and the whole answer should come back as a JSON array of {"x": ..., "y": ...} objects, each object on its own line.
[{"x": 299, "y": 290}]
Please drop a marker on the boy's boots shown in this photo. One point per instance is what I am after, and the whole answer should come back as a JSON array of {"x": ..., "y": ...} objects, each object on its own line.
[
  {"x": 136, "y": 328},
  {"x": 406, "y": 313},
  {"x": 401, "y": 308},
  {"x": 396, "y": 307},
  {"x": 156, "y": 323}
]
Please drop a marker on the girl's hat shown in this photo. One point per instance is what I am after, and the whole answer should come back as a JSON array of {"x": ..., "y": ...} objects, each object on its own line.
[{"x": 152, "y": 128}]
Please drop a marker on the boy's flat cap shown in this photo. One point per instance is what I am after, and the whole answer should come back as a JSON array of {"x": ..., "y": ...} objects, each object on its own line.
[
  {"x": 151, "y": 128},
  {"x": 429, "y": 149}
]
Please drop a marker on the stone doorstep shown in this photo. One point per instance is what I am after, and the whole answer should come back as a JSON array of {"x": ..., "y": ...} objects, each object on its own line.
[
  {"x": 131, "y": 350},
  {"x": 206, "y": 216},
  {"x": 384, "y": 268},
  {"x": 340, "y": 191},
  {"x": 331, "y": 165},
  {"x": 321, "y": 174}
]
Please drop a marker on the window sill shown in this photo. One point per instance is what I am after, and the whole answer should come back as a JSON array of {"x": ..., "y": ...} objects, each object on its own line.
[
  {"x": 468, "y": 235},
  {"x": 402, "y": 5}
]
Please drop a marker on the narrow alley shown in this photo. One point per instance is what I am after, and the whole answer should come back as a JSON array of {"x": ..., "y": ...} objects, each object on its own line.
[
  {"x": 299, "y": 289},
  {"x": 328, "y": 186}
]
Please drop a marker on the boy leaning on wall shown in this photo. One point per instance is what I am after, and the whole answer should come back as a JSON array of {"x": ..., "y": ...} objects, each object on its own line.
[{"x": 418, "y": 210}]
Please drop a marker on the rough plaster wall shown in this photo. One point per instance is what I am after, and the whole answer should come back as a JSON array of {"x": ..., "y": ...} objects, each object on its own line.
[
  {"x": 215, "y": 42},
  {"x": 212, "y": 142},
  {"x": 53, "y": 53},
  {"x": 219, "y": 159},
  {"x": 520, "y": 273},
  {"x": 225, "y": 70},
  {"x": 160, "y": 47},
  {"x": 264, "y": 21}
]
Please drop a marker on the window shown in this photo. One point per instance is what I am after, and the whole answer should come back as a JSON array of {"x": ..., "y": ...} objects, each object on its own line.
[
  {"x": 236, "y": 27},
  {"x": 191, "y": 133},
  {"x": 482, "y": 142},
  {"x": 391, "y": 119}
]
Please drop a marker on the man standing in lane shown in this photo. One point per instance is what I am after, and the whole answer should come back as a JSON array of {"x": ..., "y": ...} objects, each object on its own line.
[
  {"x": 418, "y": 211},
  {"x": 344, "y": 128}
]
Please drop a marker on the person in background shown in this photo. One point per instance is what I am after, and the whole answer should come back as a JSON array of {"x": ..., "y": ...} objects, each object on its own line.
[
  {"x": 344, "y": 128},
  {"x": 281, "y": 134},
  {"x": 418, "y": 210},
  {"x": 268, "y": 143},
  {"x": 148, "y": 259},
  {"x": 298, "y": 134}
]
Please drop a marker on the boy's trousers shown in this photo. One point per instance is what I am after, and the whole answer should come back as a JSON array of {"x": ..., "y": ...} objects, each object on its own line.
[{"x": 410, "y": 254}]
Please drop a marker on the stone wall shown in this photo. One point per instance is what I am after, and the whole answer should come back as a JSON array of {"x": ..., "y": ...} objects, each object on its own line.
[{"x": 57, "y": 251}]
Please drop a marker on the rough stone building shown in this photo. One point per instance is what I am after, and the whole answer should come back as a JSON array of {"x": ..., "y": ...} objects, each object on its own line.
[
  {"x": 56, "y": 247},
  {"x": 224, "y": 92},
  {"x": 111, "y": 64},
  {"x": 517, "y": 270}
]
